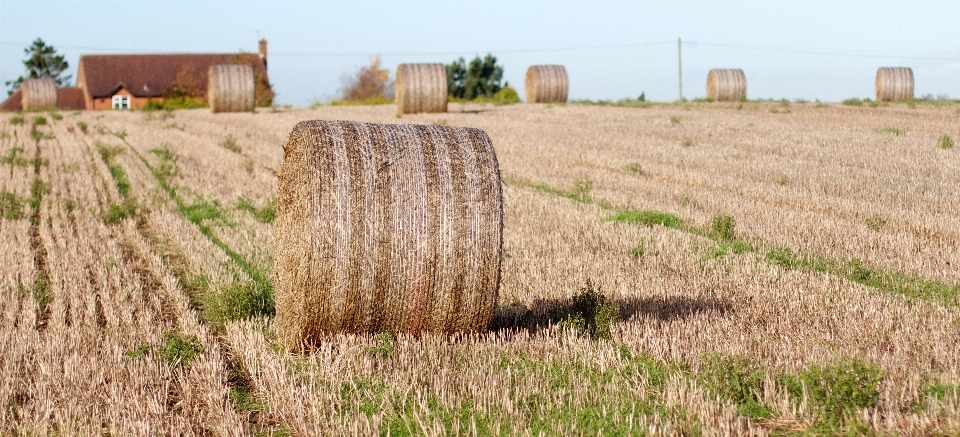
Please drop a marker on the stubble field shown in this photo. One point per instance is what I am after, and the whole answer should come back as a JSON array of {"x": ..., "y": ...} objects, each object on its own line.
[{"x": 776, "y": 269}]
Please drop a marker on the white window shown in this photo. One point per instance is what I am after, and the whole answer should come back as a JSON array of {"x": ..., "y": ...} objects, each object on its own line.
[{"x": 121, "y": 102}]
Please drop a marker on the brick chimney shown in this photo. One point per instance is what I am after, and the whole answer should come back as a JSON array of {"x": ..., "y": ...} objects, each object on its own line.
[{"x": 263, "y": 51}]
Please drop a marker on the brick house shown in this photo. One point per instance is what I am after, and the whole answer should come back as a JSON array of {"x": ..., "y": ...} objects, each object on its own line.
[{"x": 129, "y": 81}]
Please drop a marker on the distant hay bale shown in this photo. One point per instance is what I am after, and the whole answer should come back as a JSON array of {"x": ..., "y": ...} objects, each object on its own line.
[
  {"x": 380, "y": 227},
  {"x": 546, "y": 84},
  {"x": 231, "y": 88},
  {"x": 726, "y": 85},
  {"x": 39, "y": 94},
  {"x": 894, "y": 83},
  {"x": 421, "y": 88}
]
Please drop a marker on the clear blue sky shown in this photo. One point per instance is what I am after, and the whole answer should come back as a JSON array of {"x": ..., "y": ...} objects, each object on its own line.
[{"x": 303, "y": 35}]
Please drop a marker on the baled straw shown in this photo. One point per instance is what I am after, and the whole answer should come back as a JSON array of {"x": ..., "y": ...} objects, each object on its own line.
[
  {"x": 230, "y": 88},
  {"x": 39, "y": 94},
  {"x": 421, "y": 88},
  {"x": 380, "y": 227},
  {"x": 546, "y": 84},
  {"x": 726, "y": 85},
  {"x": 894, "y": 83}
]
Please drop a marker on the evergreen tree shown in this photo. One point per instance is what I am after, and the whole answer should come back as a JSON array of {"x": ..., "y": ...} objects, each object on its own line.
[
  {"x": 41, "y": 61},
  {"x": 480, "y": 79}
]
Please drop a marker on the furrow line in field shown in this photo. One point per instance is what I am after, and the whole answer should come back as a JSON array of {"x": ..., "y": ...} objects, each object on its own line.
[
  {"x": 883, "y": 279},
  {"x": 41, "y": 284},
  {"x": 166, "y": 276}
]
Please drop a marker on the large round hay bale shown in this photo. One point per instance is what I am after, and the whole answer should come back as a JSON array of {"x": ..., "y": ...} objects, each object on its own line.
[
  {"x": 546, "y": 84},
  {"x": 230, "y": 88},
  {"x": 894, "y": 83},
  {"x": 39, "y": 94},
  {"x": 383, "y": 227},
  {"x": 726, "y": 85},
  {"x": 421, "y": 88}
]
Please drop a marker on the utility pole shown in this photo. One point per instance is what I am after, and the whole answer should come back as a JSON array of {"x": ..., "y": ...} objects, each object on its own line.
[{"x": 679, "y": 70}]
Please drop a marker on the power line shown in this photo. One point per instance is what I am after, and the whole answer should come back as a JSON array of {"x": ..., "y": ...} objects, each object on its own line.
[{"x": 815, "y": 52}]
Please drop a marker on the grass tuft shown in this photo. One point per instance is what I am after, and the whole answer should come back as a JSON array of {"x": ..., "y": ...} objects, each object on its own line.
[
  {"x": 16, "y": 120},
  {"x": 853, "y": 101},
  {"x": 837, "y": 390},
  {"x": 723, "y": 226},
  {"x": 117, "y": 212},
  {"x": 230, "y": 143},
  {"x": 384, "y": 346},
  {"x": 83, "y": 126},
  {"x": 945, "y": 142},
  {"x": 647, "y": 218},
  {"x": 11, "y": 205},
  {"x": 875, "y": 222},
  {"x": 237, "y": 301},
  {"x": 687, "y": 142},
  {"x": 634, "y": 167},
  {"x": 738, "y": 379},
  {"x": 263, "y": 215}
]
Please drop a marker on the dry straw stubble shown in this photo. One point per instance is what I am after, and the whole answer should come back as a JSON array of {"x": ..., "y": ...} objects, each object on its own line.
[
  {"x": 386, "y": 228},
  {"x": 421, "y": 88},
  {"x": 546, "y": 84},
  {"x": 39, "y": 94},
  {"x": 726, "y": 85},
  {"x": 231, "y": 88},
  {"x": 894, "y": 83}
]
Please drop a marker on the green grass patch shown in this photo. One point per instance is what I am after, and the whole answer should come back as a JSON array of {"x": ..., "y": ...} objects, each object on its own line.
[
  {"x": 384, "y": 346},
  {"x": 37, "y": 189},
  {"x": 738, "y": 379},
  {"x": 837, "y": 390},
  {"x": 635, "y": 167},
  {"x": 55, "y": 115},
  {"x": 117, "y": 212},
  {"x": 687, "y": 142},
  {"x": 892, "y": 130},
  {"x": 590, "y": 313},
  {"x": 266, "y": 214},
  {"x": 875, "y": 222},
  {"x": 174, "y": 103},
  {"x": 646, "y": 218},
  {"x": 16, "y": 120},
  {"x": 39, "y": 121},
  {"x": 82, "y": 126},
  {"x": 236, "y": 301},
  {"x": 202, "y": 210},
  {"x": 177, "y": 350},
  {"x": 945, "y": 142},
  {"x": 11, "y": 205},
  {"x": 853, "y": 101},
  {"x": 639, "y": 250},
  {"x": 107, "y": 153}
]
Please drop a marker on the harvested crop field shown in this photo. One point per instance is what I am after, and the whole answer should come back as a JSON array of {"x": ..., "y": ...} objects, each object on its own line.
[{"x": 772, "y": 268}]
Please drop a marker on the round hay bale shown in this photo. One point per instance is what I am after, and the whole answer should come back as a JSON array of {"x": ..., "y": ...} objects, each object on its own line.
[
  {"x": 421, "y": 88},
  {"x": 382, "y": 227},
  {"x": 894, "y": 83},
  {"x": 230, "y": 88},
  {"x": 39, "y": 94},
  {"x": 546, "y": 84},
  {"x": 726, "y": 85}
]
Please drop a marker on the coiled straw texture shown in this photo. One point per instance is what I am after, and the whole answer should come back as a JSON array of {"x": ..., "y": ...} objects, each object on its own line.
[
  {"x": 231, "y": 88},
  {"x": 894, "y": 83},
  {"x": 39, "y": 94},
  {"x": 421, "y": 88},
  {"x": 380, "y": 227},
  {"x": 546, "y": 84},
  {"x": 726, "y": 85}
]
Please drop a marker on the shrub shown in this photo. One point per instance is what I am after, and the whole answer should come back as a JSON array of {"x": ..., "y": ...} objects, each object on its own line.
[
  {"x": 370, "y": 83},
  {"x": 590, "y": 313},
  {"x": 722, "y": 226}
]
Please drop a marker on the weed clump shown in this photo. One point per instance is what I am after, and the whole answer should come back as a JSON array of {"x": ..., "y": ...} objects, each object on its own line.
[
  {"x": 738, "y": 379},
  {"x": 837, "y": 390},
  {"x": 384, "y": 346},
  {"x": 16, "y": 120},
  {"x": 722, "y": 226},
  {"x": 590, "y": 313},
  {"x": 39, "y": 121},
  {"x": 875, "y": 222},
  {"x": 853, "y": 102},
  {"x": 237, "y": 301},
  {"x": 117, "y": 212},
  {"x": 178, "y": 349},
  {"x": 687, "y": 142},
  {"x": 945, "y": 142},
  {"x": 634, "y": 167},
  {"x": 83, "y": 126},
  {"x": 230, "y": 143},
  {"x": 11, "y": 205},
  {"x": 647, "y": 218}
]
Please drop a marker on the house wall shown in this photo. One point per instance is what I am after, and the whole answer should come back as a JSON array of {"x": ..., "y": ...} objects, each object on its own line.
[{"x": 106, "y": 103}]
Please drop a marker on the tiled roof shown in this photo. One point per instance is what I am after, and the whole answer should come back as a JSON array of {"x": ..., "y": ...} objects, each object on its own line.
[{"x": 152, "y": 75}]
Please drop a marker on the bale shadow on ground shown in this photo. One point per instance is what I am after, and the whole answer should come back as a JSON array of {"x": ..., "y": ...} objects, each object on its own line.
[{"x": 542, "y": 313}]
